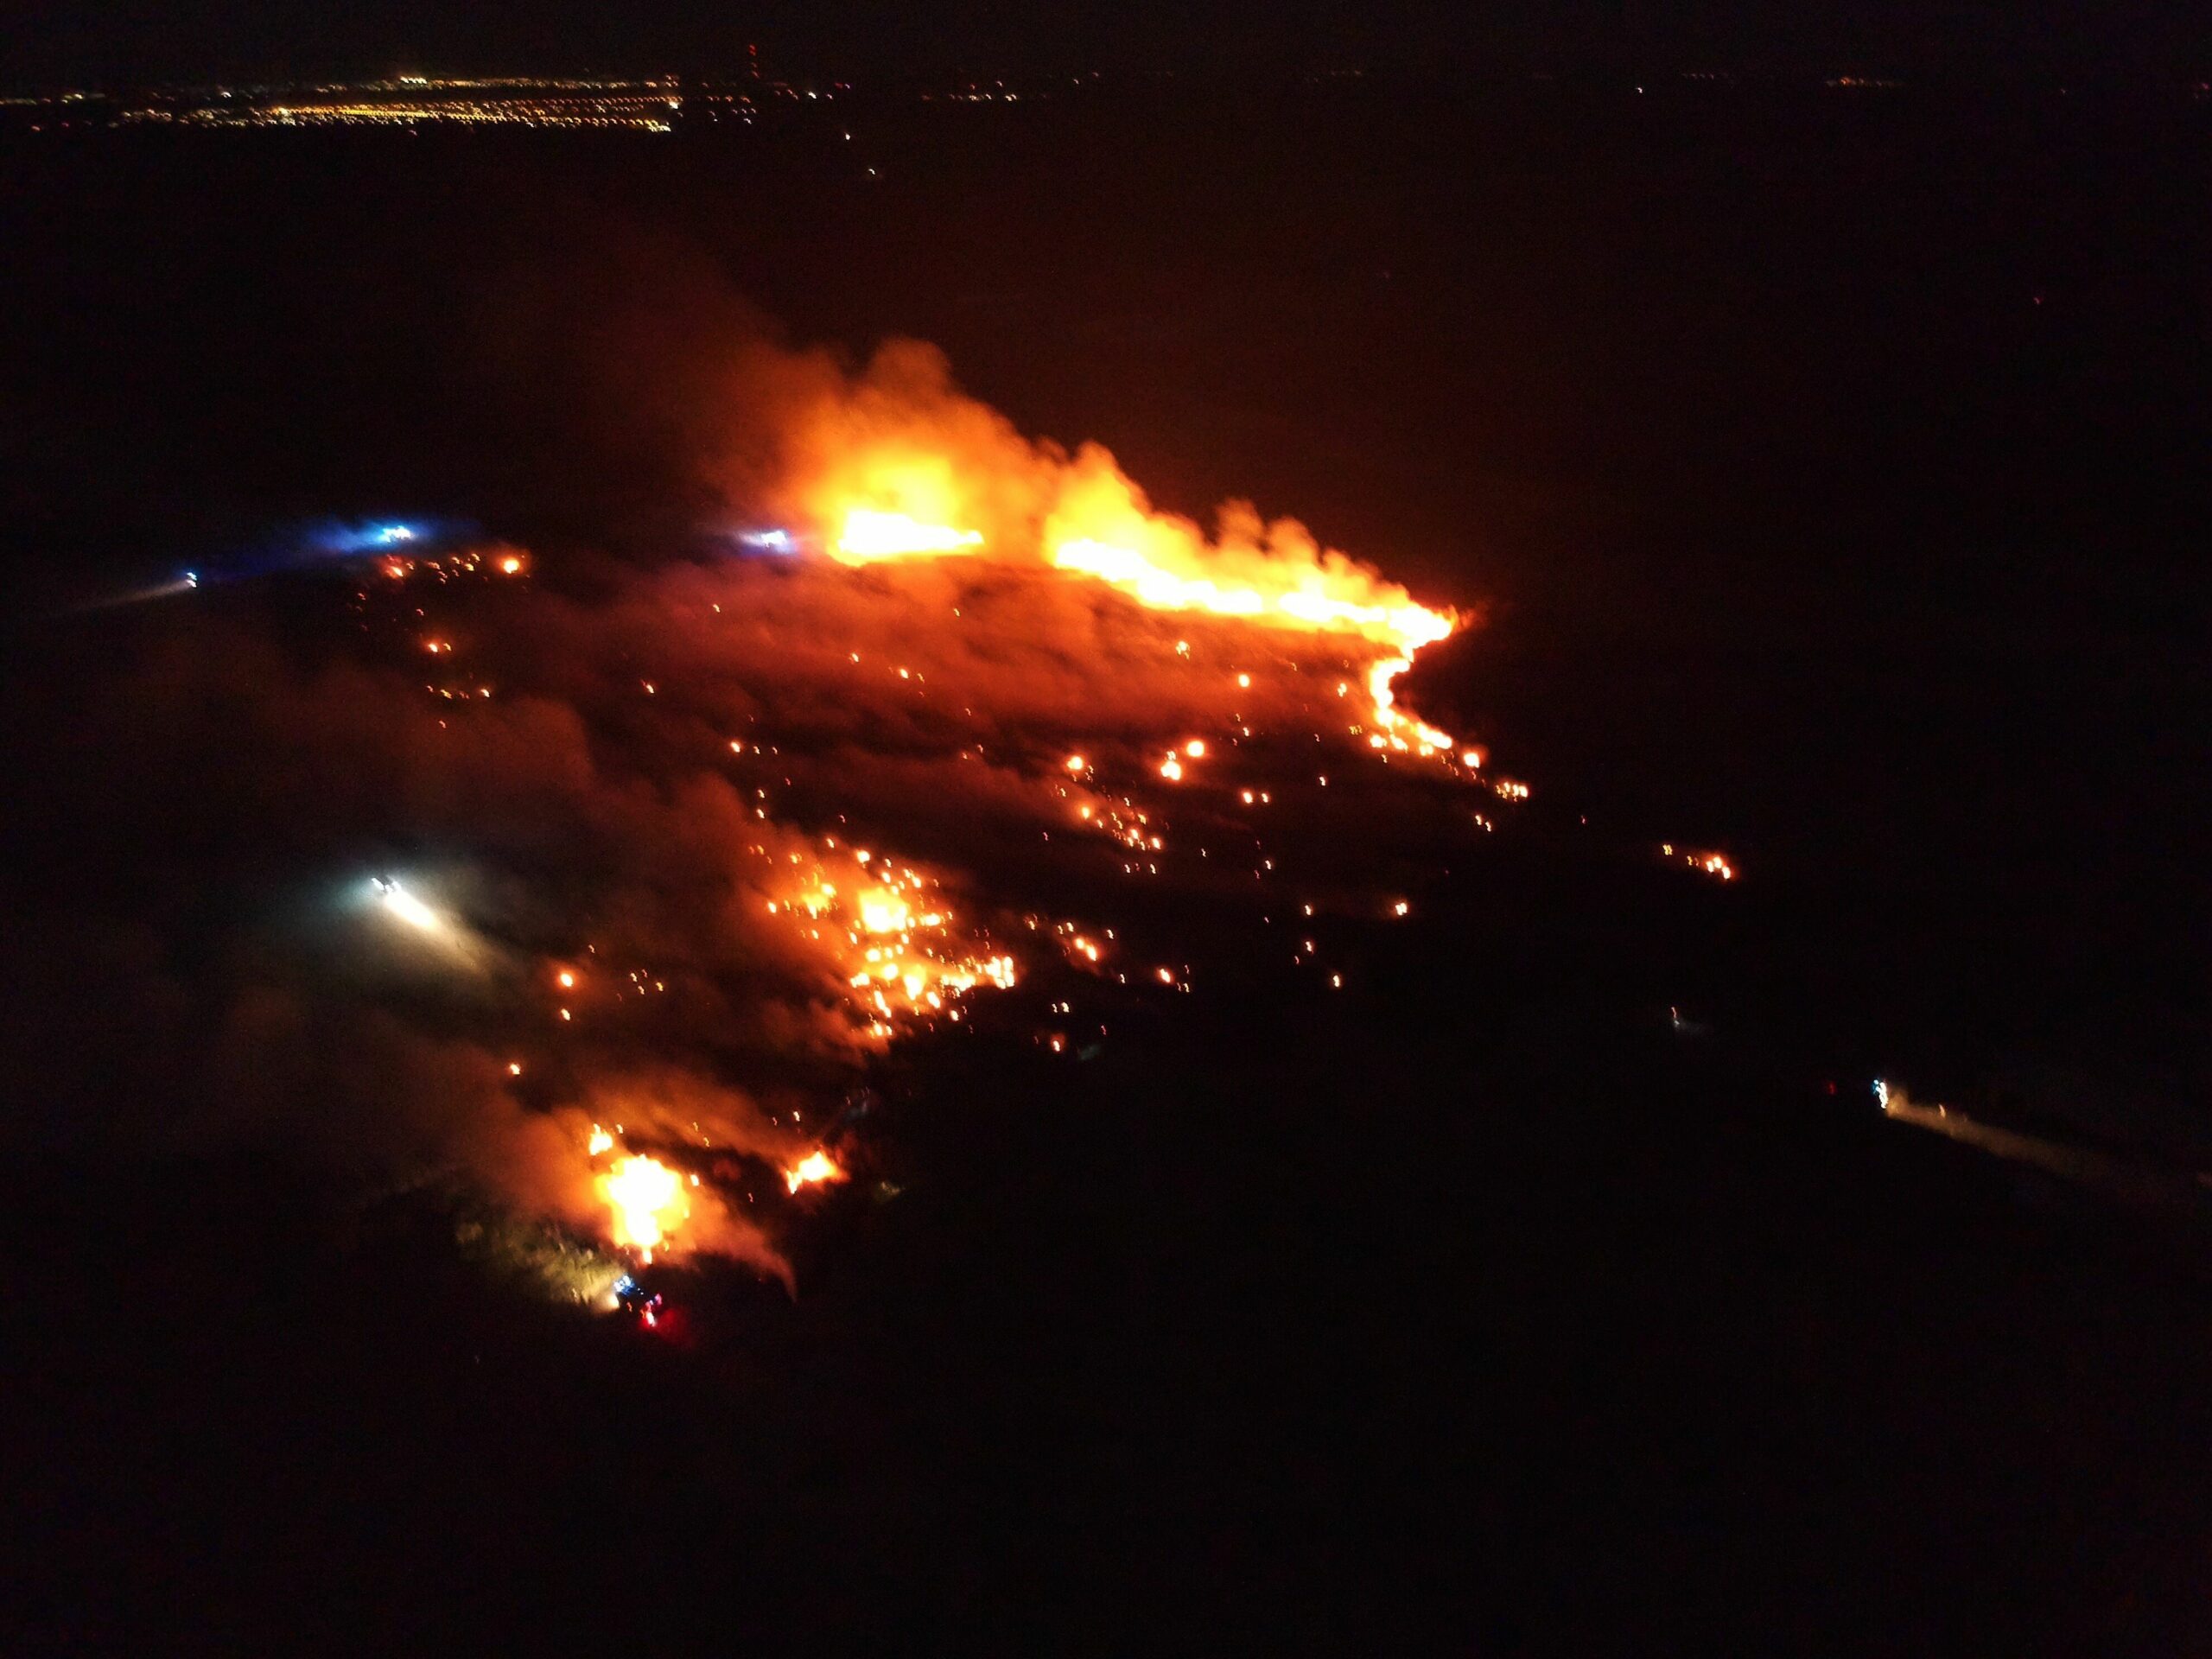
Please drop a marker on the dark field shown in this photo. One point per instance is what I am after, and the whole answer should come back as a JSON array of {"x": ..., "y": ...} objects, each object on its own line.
[{"x": 1829, "y": 468}]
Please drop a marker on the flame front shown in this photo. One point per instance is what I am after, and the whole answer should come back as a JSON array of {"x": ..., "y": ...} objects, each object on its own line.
[{"x": 904, "y": 467}]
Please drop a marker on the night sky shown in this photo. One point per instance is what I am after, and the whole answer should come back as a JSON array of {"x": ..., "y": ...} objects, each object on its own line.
[{"x": 166, "y": 39}]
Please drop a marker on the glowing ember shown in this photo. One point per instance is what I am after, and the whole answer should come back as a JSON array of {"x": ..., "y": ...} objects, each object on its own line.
[
  {"x": 1716, "y": 865},
  {"x": 879, "y": 928}
]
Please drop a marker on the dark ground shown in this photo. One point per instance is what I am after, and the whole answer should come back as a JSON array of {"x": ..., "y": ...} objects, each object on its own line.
[{"x": 1832, "y": 468}]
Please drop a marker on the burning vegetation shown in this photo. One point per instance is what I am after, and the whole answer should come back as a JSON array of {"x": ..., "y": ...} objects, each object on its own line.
[{"x": 971, "y": 722}]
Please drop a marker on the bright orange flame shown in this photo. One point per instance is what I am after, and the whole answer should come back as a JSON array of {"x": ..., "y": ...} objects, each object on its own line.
[
  {"x": 1401, "y": 732},
  {"x": 1100, "y": 526},
  {"x": 869, "y": 534},
  {"x": 903, "y": 489},
  {"x": 884, "y": 911},
  {"x": 647, "y": 1200},
  {"x": 815, "y": 1167}
]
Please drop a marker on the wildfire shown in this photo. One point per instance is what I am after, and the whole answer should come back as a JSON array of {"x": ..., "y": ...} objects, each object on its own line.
[
  {"x": 1070, "y": 715},
  {"x": 1102, "y": 527},
  {"x": 1401, "y": 732},
  {"x": 906, "y": 468},
  {"x": 647, "y": 1200},
  {"x": 879, "y": 927},
  {"x": 1282, "y": 596},
  {"x": 869, "y": 535},
  {"x": 816, "y": 1167}
]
